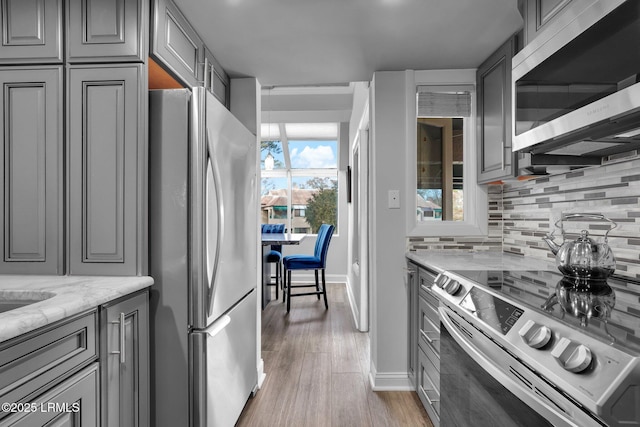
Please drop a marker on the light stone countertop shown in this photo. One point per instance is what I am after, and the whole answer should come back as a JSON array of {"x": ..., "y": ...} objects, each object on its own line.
[
  {"x": 69, "y": 295},
  {"x": 442, "y": 260}
]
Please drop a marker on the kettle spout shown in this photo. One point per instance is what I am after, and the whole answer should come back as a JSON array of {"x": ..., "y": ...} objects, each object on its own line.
[{"x": 552, "y": 245}]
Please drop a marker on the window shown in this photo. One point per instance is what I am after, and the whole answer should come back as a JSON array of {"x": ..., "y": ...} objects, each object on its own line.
[
  {"x": 442, "y": 168},
  {"x": 299, "y": 168}
]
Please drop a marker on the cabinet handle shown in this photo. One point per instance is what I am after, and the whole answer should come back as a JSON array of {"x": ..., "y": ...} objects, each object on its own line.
[
  {"x": 122, "y": 338},
  {"x": 429, "y": 399},
  {"x": 426, "y": 337}
]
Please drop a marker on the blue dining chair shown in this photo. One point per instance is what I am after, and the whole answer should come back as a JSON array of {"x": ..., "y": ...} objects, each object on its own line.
[
  {"x": 316, "y": 262},
  {"x": 275, "y": 254}
]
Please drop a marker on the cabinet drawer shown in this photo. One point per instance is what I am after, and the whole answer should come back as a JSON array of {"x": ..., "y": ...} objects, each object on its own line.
[
  {"x": 30, "y": 362},
  {"x": 73, "y": 402},
  {"x": 425, "y": 281},
  {"x": 428, "y": 329},
  {"x": 426, "y": 278},
  {"x": 430, "y": 310},
  {"x": 429, "y": 387}
]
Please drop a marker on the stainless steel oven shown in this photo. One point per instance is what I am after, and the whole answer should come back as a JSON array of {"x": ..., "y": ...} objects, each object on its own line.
[
  {"x": 513, "y": 354},
  {"x": 473, "y": 396}
]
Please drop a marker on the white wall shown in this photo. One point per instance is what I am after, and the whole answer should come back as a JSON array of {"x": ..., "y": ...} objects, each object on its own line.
[
  {"x": 388, "y": 327},
  {"x": 336, "y": 270},
  {"x": 359, "y": 109}
]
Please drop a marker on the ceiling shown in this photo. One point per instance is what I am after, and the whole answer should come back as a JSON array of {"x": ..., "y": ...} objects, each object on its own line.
[{"x": 318, "y": 42}]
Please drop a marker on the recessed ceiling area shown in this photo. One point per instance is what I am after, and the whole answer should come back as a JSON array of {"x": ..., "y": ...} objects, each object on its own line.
[{"x": 312, "y": 42}]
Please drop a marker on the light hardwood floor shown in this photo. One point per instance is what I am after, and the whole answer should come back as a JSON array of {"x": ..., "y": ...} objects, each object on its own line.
[{"x": 317, "y": 367}]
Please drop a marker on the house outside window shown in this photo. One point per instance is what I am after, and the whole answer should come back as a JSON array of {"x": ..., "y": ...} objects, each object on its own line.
[{"x": 299, "y": 186}]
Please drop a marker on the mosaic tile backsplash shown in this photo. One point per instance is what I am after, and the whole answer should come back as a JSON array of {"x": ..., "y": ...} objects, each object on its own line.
[{"x": 521, "y": 213}]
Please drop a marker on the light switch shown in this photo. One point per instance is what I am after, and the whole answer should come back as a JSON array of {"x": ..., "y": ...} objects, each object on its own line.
[{"x": 394, "y": 199}]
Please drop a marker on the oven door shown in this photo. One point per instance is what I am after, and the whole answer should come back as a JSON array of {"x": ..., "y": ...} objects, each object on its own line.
[{"x": 474, "y": 389}]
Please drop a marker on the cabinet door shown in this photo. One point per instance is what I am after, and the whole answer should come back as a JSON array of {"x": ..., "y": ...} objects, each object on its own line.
[
  {"x": 493, "y": 79},
  {"x": 31, "y": 31},
  {"x": 216, "y": 79},
  {"x": 31, "y": 165},
  {"x": 73, "y": 403},
  {"x": 106, "y": 30},
  {"x": 540, "y": 13},
  {"x": 125, "y": 362},
  {"x": 412, "y": 283},
  {"x": 106, "y": 162},
  {"x": 175, "y": 44}
]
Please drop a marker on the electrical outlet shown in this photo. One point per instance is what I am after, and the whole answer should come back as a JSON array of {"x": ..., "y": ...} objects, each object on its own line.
[{"x": 394, "y": 199}]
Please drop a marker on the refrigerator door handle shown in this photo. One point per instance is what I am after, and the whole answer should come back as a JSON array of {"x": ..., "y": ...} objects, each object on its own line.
[
  {"x": 218, "y": 326},
  {"x": 219, "y": 205}
]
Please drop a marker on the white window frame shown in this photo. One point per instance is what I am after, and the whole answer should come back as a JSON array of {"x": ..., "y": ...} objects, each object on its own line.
[
  {"x": 475, "y": 196},
  {"x": 289, "y": 173}
]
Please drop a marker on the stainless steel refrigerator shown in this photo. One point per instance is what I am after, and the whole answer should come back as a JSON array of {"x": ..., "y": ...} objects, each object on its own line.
[{"x": 203, "y": 243}]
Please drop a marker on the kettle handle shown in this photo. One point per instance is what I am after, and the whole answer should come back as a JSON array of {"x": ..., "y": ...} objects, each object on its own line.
[{"x": 565, "y": 217}]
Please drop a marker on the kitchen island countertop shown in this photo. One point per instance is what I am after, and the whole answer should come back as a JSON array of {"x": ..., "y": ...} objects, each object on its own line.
[
  {"x": 442, "y": 260},
  {"x": 70, "y": 295}
]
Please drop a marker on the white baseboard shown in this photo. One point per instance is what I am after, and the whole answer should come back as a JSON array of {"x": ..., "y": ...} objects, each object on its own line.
[
  {"x": 261, "y": 374},
  {"x": 354, "y": 307},
  {"x": 389, "y": 381}
]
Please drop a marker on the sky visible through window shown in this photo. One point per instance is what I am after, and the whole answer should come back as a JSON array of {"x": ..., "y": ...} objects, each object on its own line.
[
  {"x": 313, "y": 154},
  {"x": 305, "y": 155}
]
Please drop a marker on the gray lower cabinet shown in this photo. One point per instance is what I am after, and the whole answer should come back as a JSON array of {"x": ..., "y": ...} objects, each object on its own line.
[
  {"x": 89, "y": 370},
  {"x": 99, "y": 30},
  {"x": 124, "y": 360},
  {"x": 31, "y": 163},
  {"x": 175, "y": 44},
  {"x": 39, "y": 370},
  {"x": 72, "y": 403},
  {"x": 412, "y": 284},
  {"x": 106, "y": 161},
  {"x": 31, "y": 31},
  {"x": 424, "y": 340},
  {"x": 493, "y": 78}
]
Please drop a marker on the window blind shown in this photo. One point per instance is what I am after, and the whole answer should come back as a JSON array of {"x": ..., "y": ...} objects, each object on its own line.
[{"x": 443, "y": 104}]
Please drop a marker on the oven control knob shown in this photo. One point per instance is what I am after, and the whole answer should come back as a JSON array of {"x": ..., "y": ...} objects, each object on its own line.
[
  {"x": 572, "y": 356},
  {"x": 534, "y": 334},
  {"x": 451, "y": 287},
  {"x": 441, "y": 280}
]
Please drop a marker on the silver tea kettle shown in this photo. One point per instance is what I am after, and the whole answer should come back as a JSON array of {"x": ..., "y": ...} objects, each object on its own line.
[{"x": 583, "y": 257}]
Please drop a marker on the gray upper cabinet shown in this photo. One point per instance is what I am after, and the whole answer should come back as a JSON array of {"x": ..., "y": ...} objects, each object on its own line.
[
  {"x": 31, "y": 31},
  {"x": 176, "y": 44},
  {"x": 31, "y": 165},
  {"x": 106, "y": 30},
  {"x": 540, "y": 13},
  {"x": 106, "y": 134},
  {"x": 125, "y": 362},
  {"x": 216, "y": 79},
  {"x": 495, "y": 157}
]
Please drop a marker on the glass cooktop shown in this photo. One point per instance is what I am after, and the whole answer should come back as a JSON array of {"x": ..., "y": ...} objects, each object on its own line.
[{"x": 608, "y": 310}]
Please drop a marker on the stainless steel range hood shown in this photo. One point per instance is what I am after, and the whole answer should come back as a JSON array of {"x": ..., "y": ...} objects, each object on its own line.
[{"x": 576, "y": 87}]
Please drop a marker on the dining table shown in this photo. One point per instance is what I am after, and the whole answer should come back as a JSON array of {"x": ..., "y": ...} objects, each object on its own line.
[{"x": 269, "y": 239}]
